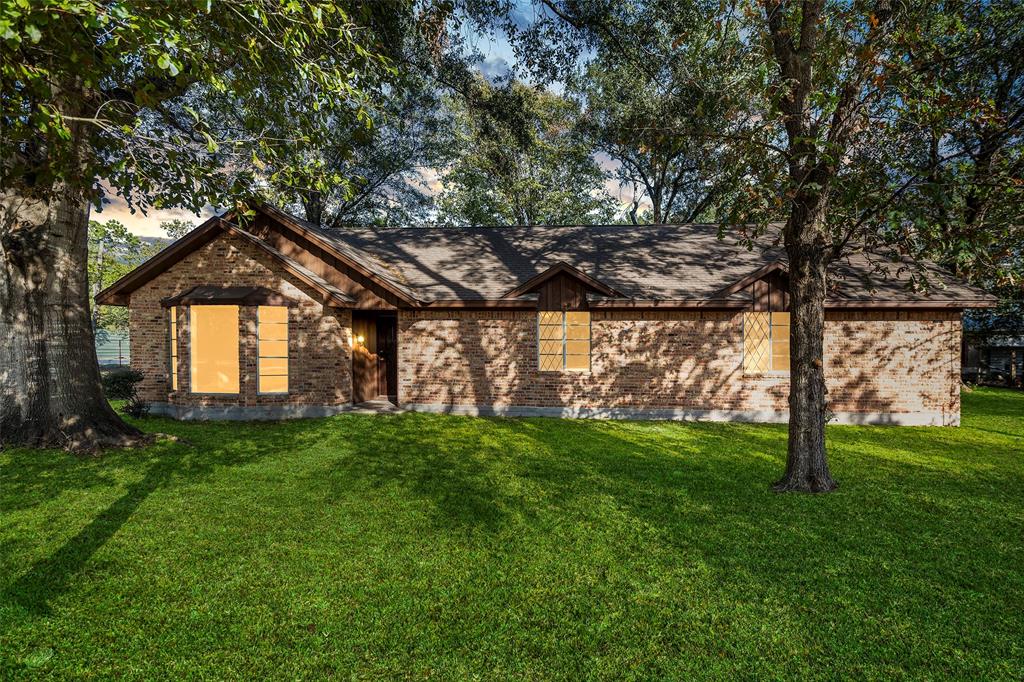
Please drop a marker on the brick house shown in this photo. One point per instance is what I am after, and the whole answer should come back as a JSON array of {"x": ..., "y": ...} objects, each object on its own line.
[{"x": 274, "y": 317}]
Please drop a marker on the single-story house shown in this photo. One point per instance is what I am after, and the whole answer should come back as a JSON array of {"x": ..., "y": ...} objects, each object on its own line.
[{"x": 274, "y": 317}]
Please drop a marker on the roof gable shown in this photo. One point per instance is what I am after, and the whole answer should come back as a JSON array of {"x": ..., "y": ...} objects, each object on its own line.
[
  {"x": 589, "y": 283},
  {"x": 119, "y": 292}
]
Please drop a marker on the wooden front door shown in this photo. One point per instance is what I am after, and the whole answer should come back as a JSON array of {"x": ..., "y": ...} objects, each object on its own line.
[
  {"x": 387, "y": 358},
  {"x": 374, "y": 357}
]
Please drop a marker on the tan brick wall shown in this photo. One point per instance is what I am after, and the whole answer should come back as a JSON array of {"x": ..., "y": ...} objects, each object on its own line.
[
  {"x": 319, "y": 344},
  {"x": 894, "y": 362}
]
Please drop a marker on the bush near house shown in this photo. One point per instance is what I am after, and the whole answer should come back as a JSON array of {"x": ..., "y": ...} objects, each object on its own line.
[{"x": 452, "y": 547}]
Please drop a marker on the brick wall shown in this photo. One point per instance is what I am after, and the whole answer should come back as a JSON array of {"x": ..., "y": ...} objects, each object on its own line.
[
  {"x": 319, "y": 343},
  {"x": 893, "y": 362}
]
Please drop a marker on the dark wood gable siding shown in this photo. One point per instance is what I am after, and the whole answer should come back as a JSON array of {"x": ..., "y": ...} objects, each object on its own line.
[
  {"x": 770, "y": 293},
  {"x": 562, "y": 293},
  {"x": 368, "y": 295}
]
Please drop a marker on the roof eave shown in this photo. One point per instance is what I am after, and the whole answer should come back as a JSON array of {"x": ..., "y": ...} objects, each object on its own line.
[{"x": 119, "y": 293}]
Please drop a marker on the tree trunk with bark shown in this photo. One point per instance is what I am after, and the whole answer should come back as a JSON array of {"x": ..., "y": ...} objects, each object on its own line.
[
  {"x": 806, "y": 464},
  {"x": 50, "y": 390}
]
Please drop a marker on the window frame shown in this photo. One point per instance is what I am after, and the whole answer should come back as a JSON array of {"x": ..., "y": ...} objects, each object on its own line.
[
  {"x": 565, "y": 342},
  {"x": 287, "y": 346},
  {"x": 172, "y": 352},
  {"x": 192, "y": 354},
  {"x": 771, "y": 371}
]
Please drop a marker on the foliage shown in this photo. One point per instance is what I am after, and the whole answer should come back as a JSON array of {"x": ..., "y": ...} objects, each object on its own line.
[
  {"x": 135, "y": 407},
  {"x": 381, "y": 174},
  {"x": 969, "y": 212},
  {"x": 385, "y": 169},
  {"x": 403, "y": 546},
  {"x": 113, "y": 252},
  {"x": 665, "y": 119},
  {"x": 120, "y": 384},
  {"x": 171, "y": 103},
  {"x": 177, "y": 228},
  {"x": 522, "y": 162}
]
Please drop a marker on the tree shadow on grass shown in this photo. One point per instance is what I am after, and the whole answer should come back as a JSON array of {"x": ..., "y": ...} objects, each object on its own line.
[
  {"x": 448, "y": 462},
  {"x": 168, "y": 464}
]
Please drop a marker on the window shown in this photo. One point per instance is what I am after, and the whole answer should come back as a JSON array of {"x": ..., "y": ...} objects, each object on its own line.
[
  {"x": 174, "y": 347},
  {"x": 563, "y": 341},
  {"x": 213, "y": 347},
  {"x": 272, "y": 325},
  {"x": 765, "y": 342}
]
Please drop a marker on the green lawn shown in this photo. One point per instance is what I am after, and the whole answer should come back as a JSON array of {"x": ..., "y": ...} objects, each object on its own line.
[{"x": 452, "y": 547}]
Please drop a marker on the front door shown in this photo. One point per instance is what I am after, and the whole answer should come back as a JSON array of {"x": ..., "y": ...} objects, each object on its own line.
[
  {"x": 387, "y": 358},
  {"x": 374, "y": 356}
]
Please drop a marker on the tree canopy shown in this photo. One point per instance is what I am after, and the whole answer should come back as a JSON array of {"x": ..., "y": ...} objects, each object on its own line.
[{"x": 527, "y": 166}]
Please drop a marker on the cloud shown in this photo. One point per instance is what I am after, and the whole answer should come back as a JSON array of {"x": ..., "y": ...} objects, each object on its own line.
[
  {"x": 148, "y": 224},
  {"x": 495, "y": 68}
]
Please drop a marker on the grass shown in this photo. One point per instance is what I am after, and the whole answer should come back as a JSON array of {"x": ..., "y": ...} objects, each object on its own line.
[{"x": 453, "y": 547}]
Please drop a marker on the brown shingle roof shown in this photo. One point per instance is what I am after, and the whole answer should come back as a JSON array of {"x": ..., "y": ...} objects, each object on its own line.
[{"x": 653, "y": 262}]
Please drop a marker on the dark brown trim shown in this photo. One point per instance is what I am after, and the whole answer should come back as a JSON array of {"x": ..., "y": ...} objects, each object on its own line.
[
  {"x": 534, "y": 282},
  {"x": 669, "y": 303},
  {"x": 118, "y": 293},
  {"x": 490, "y": 303},
  {"x": 760, "y": 273},
  {"x": 916, "y": 305},
  {"x": 325, "y": 244},
  {"x": 713, "y": 303},
  {"x": 210, "y": 295}
]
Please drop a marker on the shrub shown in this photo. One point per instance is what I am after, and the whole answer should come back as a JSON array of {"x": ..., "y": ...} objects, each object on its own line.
[
  {"x": 136, "y": 407},
  {"x": 119, "y": 384}
]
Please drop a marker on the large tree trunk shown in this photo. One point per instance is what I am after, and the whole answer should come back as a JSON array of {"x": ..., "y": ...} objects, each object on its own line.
[
  {"x": 806, "y": 464},
  {"x": 50, "y": 391}
]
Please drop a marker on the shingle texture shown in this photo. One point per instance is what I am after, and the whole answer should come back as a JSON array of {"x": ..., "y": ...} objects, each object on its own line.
[{"x": 657, "y": 262}]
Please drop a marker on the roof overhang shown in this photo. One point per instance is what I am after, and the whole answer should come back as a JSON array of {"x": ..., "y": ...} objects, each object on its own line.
[
  {"x": 210, "y": 295},
  {"x": 531, "y": 285}
]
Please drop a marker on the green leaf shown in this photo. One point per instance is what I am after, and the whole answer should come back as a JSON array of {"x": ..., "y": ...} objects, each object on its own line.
[
  {"x": 33, "y": 33},
  {"x": 211, "y": 144}
]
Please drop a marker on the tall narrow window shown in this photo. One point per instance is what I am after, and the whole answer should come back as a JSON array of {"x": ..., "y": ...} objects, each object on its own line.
[
  {"x": 272, "y": 323},
  {"x": 213, "y": 348},
  {"x": 174, "y": 347},
  {"x": 765, "y": 342},
  {"x": 563, "y": 341}
]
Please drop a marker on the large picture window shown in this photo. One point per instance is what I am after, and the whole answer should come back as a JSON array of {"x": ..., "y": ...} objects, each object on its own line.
[
  {"x": 563, "y": 341},
  {"x": 173, "y": 322},
  {"x": 272, "y": 323},
  {"x": 765, "y": 342},
  {"x": 213, "y": 348}
]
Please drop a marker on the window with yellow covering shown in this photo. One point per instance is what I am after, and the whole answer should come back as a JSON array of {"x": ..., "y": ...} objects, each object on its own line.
[
  {"x": 213, "y": 348},
  {"x": 173, "y": 319},
  {"x": 272, "y": 347},
  {"x": 563, "y": 341},
  {"x": 765, "y": 342}
]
